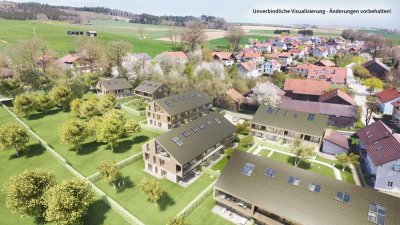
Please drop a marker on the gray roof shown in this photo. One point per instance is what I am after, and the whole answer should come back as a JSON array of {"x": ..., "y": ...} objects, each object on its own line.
[
  {"x": 197, "y": 142},
  {"x": 176, "y": 104},
  {"x": 329, "y": 109},
  {"x": 149, "y": 86},
  {"x": 297, "y": 203},
  {"x": 115, "y": 84},
  {"x": 291, "y": 120}
]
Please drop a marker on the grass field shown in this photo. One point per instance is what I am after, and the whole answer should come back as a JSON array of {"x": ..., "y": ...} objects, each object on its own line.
[
  {"x": 47, "y": 127},
  {"x": 223, "y": 43},
  {"x": 37, "y": 157},
  {"x": 136, "y": 202},
  {"x": 55, "y": 33},
  {"x": 395, "y": 37}
]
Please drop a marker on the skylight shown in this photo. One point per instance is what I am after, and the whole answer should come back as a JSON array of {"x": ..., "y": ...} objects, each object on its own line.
[
  {"x": 294, "y": 181},
  {"x": 376, "y": 213},
  {"x": 168, "y": 103},
  {"x": 343, "y": 197},
  {"x": 316, "y": 188},
  {"x": 201, "y": 125},
  {"x": 217, "y": 120},
  {"x": 311, "y": 117},
  {"x": 270, "y": 110},
  {"x": 177, "y": 141},
  {"x": 209, "y": 122},
  {"x": 195, "y": 129},
  {"x": 248, "y": 169},
  {"x": 270, "y": 173},
  {"x": 185, "y": 134}
]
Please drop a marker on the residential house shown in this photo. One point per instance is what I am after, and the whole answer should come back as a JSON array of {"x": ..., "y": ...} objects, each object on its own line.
[
  {"x": 316, "y": 40},
  {"x": 338, "y": 97},
  {"x": 263, "y": 47},
  {"x": 297, "y": 53},
  {"x": 179, "y": 55},
  {"x": 385, "y": 99},
  {"x": 306, "y": 90},
  {"x": 176, "y": 154},
  {"x": 335, "y": 143},
  {"x": 151, "y": 90},
  {"x": 332, "y": 50},
  {"x": 226, "y": 58},
  {"x": 235, "y": 98},
  {"x": 396, "y": 114},
  {"x": 377, "y": 68},
  {"x": 75, "y": 62},
  {"x": 249, "y": 70},
  {"x": 336, "y": 75},
  {"x": 272, "y": 192},
  {"x": 326, "y": 63},
  {"x": 270, "y": 67},
  {"x": 253, "y": 57},
  {"x": 172, "y": 111},
  {"x": 285, "y": 126},
  {"x": 320, "y": 52},
  {"x": 379, "y": 150},
  {"x": 342, "y": 116},
  {"x": 119, "y": 87}
]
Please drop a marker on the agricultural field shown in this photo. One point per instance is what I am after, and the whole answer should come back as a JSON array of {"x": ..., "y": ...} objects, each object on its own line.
[
  {"x": 55, "y": 33},
  {"x": 223, "y": 43},
  {"x": 395, "y": 37}
]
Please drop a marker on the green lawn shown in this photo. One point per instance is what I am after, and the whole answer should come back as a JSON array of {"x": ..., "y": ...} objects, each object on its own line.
[
  {"x": 220, "y": 165},
  {"x": 223, "y": 43},
  {"x": 311, "y": 166},
  {"x": 47, "y": 127},
  {"x": 346, "y": 174},
  {"x": 55, "y": 33},
  {"x": 37, "y": 157},
  {"x": 134, "y": 200},
  {"x": 203, "y": 215},
  {"x": 264, "y": 152}
]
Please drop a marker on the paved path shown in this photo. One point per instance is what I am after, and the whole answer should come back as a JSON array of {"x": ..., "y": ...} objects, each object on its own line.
[{"x": 338, "y": 174}]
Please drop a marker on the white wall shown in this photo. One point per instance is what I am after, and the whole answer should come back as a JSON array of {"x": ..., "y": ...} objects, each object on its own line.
[
  {"x": 331, "y": 148},
  {"x": 386, "y": 173}
]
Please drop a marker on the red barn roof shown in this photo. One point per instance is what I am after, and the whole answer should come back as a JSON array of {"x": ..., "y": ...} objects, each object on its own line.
[
  {"x": 388, "y": 94},
  {"x": 336, "y": 92}
]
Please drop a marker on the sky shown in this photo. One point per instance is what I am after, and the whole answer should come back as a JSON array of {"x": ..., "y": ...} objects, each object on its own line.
[{"x": 242, "y": 10}]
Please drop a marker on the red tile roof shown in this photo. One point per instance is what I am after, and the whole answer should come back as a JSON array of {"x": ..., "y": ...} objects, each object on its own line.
[
  {"x": 252, "y": 54},
  {"x": 295, "y": 50},
  {"x": 388, "y": 94},
  {"x": 249, "y": 66},
  {"x": 70, "y": 58},
  {"x": 327, "y": 63},
  {"x": 262, "y": 45},
  {"x": 310, "y": 87},
  {"x": 178, "y": 54},
  {"x": 222, "y": 55},
  {"x": 336, "y": 138},
  {"x": 235, "y": 95},
  {"x": 396, "y": 104},
  {"x": 380, "y": 143},
  {"x": 336, "y": 92},
  {"x": 335, "y": 74}
]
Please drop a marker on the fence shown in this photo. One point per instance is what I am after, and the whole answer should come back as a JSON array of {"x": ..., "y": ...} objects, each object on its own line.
[
  {"x": 133, "y": 111},
  {"x": 196, "y": 201}
]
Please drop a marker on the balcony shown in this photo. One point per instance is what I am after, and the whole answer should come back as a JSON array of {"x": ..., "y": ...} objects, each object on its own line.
[{"x": 234, "y": 203}]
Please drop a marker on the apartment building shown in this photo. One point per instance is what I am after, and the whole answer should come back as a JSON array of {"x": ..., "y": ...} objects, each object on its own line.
[
  {"x": 275, "y": 193},
  {"x": 175, "y": 154},
  {"x": 151, "y": 90},
  {"x": 284, "y": 125},
  {"x": 172, "y": 111}
]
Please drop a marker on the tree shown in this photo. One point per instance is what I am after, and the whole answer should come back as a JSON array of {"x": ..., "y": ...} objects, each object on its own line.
[
  {"x": 43, "y": 103},
  {"x": 152, "y": 188},
  {"x": 92, "y": 50},
  {"x": 228, "y": 152},
  {"x": 361, "y": 71},
  {"x": 89, "y": 108},
  {"x": 110, "y": 171},
  {"x": 234, "y": 36},
  {"x": 75, "y": 106},
  {"x": 173, "y": 34},
  {"x": 24, "y": 192},
  {"x": 346, "y": 160},
  {"x": 141, "y": 31},
  {"x": 243, "y": 128},
  {"x": 132, "y": 127},
  {"x": 91, "y": 79},
  {"x": 117, "y": 50},
  {"x": 106, "y": 103},
  {"x": 266, "y": 94},
  {"x": 373, "y": 83},
  {"x": 44, "y": 83},
  {"x": 74, "y": 132},
  {"x": 13, "y": 136},
  {"x": 111, "y": 128},
  {"x": 177, "y": 220},
  {"x": 68, "y": 202},
  {"x": 370, "y": 108},
  {"x": 62, "y": 96},
  {"x": 248, "y": 140},
  {"x": 193, "y": 36},
  {"x": 301, "y": 151},
  {"x": 27, "y": 53},
  {"x": 24, "y": 105},
  {"x": 10, "y": 87}
]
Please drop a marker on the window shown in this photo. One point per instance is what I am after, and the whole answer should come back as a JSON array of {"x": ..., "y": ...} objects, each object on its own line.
[
  {"x": 376, "y": 213},
  {"x": 209, "y": 122},
  {"x": 314, "y": 187},
  {"x": 294, "y": 181},
  {"x": 390, "y": 183},
  {"x": 218, "y": 121},
  {"x": 195, "y": 129},
  {"x": 270, "y": 173},
  {"x": 311, "y": 117},
  {"x": 343, "y": 197},
  {"x": 185, "y": 134},
  {"x": 270, "y": 110},
  {"x": 396, "y": 167},
  {"x": 248, "y": 169}
]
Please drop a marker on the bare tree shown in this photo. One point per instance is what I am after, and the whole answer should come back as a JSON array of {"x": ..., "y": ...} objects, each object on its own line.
[
  {"x": 173, "y": 34},
  {"x": 370, "y": 107},
  {"x": 193, "y": 36},
  {"x": 117, "y": 50},
  {"x": 141, "y": 31},
  {"x": 234, "y": 36}
]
